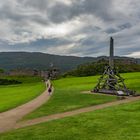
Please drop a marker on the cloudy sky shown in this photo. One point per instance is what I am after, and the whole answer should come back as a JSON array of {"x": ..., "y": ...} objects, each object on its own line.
[{"x": 70, "y": 27}]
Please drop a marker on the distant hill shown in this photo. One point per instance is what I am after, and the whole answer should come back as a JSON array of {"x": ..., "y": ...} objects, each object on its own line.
[{"x": 35, "y": 60}]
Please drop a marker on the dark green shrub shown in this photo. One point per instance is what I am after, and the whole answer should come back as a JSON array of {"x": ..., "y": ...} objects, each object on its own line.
[{"x": 9, "y": 82}]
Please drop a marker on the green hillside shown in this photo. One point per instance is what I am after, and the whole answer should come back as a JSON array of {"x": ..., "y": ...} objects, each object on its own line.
[
  {"x": 36, "y": 60},
  {"x": 98, "y": 67}
]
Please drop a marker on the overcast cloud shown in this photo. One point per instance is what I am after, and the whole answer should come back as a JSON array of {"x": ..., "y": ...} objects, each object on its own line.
[{"x": 70, "y": 27}]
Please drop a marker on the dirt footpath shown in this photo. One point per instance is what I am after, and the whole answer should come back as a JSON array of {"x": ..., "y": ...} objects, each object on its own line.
[
  {"x": 74, "y": 112},
  {"x": 9, "y": 118}
]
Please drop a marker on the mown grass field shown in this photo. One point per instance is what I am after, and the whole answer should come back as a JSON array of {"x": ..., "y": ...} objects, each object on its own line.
[
  {"x": 112, "y": 123},
  {"x": 121, "y": 122},
  {"x": 67, "y": 95},
  {"x": 15, "y": 95}
]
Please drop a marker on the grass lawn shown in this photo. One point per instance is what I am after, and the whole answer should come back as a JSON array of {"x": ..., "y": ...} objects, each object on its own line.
[
  {"x": 14, "y": 95},
  {"x": 68, "y": 96},
  {"x": 132, "y": 80},
  {"x": 113, "y": 123}
]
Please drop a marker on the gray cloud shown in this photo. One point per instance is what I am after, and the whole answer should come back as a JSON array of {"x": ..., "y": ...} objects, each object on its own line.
[
  {"x": 70, "y": 27},
  {"x": 61, "y": 12}
]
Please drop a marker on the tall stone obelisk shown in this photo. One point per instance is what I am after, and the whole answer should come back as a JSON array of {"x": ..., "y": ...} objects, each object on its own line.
[{"x": 111, "y": 57}]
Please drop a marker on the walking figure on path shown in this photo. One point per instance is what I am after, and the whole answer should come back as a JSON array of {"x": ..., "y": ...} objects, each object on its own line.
[{"x": 49, "y": 86}]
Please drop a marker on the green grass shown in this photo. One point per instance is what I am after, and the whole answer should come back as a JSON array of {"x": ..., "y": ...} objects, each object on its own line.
[
  {"x": 113, "y": 123},
  {"x": 132, "y": 81},
  {"x": 68, "y": 96},
  {"x": 15, "y": 95}
]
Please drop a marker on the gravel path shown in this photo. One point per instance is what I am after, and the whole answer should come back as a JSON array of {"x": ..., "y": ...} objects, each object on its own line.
[
  {"x": 74, "y": 112},
  {"x": 9, "y": 118}
]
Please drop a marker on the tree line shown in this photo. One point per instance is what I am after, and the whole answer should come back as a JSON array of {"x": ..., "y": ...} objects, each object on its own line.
[{"x": 96, "y": 68}]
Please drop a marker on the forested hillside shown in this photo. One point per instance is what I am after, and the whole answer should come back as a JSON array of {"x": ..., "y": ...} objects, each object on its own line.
[
  {"x": 98, "y": 67},
  {"x": 42, "y": 61}
]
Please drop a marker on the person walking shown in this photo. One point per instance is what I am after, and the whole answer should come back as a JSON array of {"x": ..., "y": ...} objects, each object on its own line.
[{"x": 50, "y": 89}]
